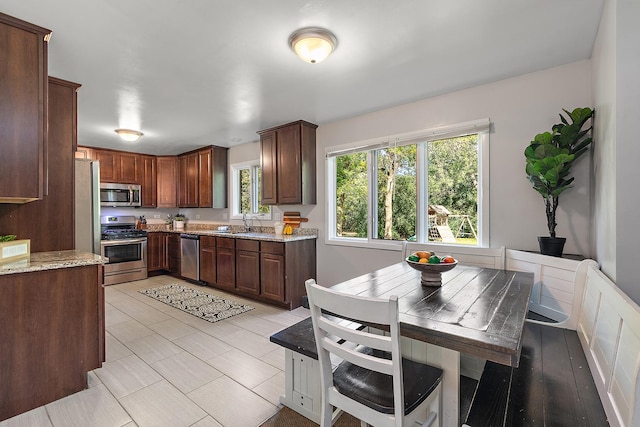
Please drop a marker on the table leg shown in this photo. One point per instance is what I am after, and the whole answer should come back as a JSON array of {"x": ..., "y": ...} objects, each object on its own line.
[{"x": 447, "y": 360}]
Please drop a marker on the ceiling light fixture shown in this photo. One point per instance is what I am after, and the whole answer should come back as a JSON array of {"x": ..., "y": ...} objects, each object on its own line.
[
  {"x": 129, "y": 135},
  {"x": 312, "y": 44}
]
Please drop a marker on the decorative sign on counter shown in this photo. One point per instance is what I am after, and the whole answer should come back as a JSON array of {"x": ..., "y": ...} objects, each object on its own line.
[{"x": 14, "y": 250}]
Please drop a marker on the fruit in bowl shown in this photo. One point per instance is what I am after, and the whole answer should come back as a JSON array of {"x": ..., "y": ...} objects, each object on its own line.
[{"x": 431, "y": 266}]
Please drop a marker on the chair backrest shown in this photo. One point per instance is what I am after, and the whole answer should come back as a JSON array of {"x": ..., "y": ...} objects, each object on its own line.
[{"x": 333, "y": 338}]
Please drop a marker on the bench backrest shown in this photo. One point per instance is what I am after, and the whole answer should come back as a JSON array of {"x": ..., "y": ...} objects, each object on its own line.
[
  {"x": 558, "y": 284},
  {"x": 477, "y": 257},
  {"x": 609, "y": 331}
]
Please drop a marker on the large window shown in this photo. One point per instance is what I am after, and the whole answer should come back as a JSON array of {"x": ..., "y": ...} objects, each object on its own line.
[
  {"x": 424, "y": 187},
  {"x": 247, "y": 191}
]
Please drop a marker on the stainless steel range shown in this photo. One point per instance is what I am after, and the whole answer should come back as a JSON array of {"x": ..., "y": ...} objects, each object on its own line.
[{"x": 126, "y": 248}]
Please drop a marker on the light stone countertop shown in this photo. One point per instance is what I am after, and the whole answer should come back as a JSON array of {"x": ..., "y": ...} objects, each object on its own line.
[
  {"x": 272, "y": 237},
  {"x": 51, "y": 260}
]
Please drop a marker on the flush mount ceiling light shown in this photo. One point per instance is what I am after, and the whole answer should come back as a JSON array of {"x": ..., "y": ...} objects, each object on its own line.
[
  {"x": 312, "y": 44},
  {"x": 129, "y": 135}
]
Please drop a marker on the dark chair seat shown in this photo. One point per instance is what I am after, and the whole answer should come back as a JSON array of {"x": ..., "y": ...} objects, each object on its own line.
[{"x": 375, "y": 390}]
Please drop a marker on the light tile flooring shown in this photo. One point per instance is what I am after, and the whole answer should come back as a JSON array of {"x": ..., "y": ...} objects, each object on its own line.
[{"x": 165, "y": 367}]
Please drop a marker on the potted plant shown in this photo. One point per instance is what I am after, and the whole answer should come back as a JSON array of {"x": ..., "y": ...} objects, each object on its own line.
[
  {"x": 178, "y": 221},
  {"x": 549, "y": 158}
]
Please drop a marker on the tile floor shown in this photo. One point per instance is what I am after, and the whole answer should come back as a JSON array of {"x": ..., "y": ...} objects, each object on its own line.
[{"x": 165, "y": 367}]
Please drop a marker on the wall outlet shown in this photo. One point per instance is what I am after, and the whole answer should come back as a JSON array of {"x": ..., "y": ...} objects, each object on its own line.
[
  {"x": 156, "y": 216},
  {"x": 278, "y": 216},
  {"x": 197, "y": 216},
  {"x": 225, "y": 216}
]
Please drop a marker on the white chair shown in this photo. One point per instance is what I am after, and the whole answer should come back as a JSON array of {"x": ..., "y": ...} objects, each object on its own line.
[{"x": 370, "y": 383}]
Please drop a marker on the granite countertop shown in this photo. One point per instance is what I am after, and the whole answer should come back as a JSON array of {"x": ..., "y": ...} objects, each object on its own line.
[
  {"x": 52, "y": 260},
  {"x": 250, "y": 235}
]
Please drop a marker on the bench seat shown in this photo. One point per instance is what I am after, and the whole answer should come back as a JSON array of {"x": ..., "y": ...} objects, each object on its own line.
[{"x": 552, "y": 385}]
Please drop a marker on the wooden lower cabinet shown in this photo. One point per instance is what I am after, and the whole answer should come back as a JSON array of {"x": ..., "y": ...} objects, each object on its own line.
[
  {"x": 274, "y": 272},
  {"x": 51, "y": 335},
  {"x": 156, "y": 251},
  {"x": 226, "y": 263},
  {"x": 175, "y": 256},
  {"x": 272, "y": 276},
  {"x": 208, "y": 263},
  {"x": 248, "y": 266}
]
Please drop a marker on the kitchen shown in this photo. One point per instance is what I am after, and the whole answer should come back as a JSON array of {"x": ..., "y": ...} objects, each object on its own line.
[{"x": 572, "y": 83}]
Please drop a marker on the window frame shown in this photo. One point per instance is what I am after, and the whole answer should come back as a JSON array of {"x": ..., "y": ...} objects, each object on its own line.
[
  {"x": 235, "y": 213},
  {"x": 479, "y": 127}
]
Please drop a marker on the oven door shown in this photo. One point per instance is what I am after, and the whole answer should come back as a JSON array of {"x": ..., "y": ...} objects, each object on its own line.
[{"x": 124, "y": 255}]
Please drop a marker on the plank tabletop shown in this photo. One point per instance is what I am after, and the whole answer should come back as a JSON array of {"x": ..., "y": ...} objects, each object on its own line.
[{"x": 478, "y": 311}]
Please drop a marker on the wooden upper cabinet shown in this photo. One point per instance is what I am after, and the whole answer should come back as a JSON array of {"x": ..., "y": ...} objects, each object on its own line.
[
  {"x": 188, "y": 177},
  {"x": 149, "y": 181},
  {"x": 118, "y": 166},
  {"x": 23, "y": 110},
  {"x": 26, "y": 220},
  {"x": 84, "y": 153},
  {"x": 167, "y": 180},
  {"x": 203, "y": 178},
  {"x": 288, "y": 162},
  {"x": 268, "y": 168},
  {"x": 212, "y": 177},
  {"x": 129, "y": 168},
  {"x": 108, "y": 165}
]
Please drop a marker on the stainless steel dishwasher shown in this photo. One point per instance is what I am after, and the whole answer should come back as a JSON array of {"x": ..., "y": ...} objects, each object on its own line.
[{"x": 190, "y": 252}]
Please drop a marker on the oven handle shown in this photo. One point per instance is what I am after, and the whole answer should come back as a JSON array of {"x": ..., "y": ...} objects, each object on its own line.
[{"x": 120, "y": 242}]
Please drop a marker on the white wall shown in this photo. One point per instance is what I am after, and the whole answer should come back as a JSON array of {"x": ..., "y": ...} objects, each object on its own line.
[
  {"x": 519, "y": 108},
  {"x": 604, "y": 149},
  {"x": 627, "y": 62}
]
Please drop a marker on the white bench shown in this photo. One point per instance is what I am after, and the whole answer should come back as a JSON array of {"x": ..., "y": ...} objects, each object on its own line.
[
  {"x": 558, "y": 284},
  {"x": 609, "y": 331}
]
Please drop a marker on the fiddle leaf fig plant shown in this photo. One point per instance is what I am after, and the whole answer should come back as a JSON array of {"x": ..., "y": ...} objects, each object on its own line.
[{"x": 551, "y": 155}]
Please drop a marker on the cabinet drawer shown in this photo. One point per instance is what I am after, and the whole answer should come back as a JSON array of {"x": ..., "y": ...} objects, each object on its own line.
[
  {"x": 207, "y": 241},
  {"x": 275, "y": 248},
  {"x": 225, "y": 242},
  {"x": 248, "y": 245}
]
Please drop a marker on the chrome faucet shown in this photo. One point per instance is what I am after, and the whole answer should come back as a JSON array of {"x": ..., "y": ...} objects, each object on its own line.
[{"x": 244, "y": 221}]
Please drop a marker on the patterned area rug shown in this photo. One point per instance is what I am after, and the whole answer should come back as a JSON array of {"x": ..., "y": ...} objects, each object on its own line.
[{"x": 200, "y": 304}]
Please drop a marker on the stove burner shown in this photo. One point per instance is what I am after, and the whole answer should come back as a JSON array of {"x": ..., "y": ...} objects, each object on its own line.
[{"x": 123, "y": 234}]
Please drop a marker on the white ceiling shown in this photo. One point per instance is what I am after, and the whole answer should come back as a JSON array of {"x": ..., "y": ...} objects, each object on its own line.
[{"x": 189, "y": 73}]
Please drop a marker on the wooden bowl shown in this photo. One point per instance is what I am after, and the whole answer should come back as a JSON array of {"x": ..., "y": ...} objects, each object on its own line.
[{"x": 431, "y": 274}]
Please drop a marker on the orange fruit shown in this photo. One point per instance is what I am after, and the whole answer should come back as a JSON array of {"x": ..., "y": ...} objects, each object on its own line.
[{"x": 423, "y": 260}]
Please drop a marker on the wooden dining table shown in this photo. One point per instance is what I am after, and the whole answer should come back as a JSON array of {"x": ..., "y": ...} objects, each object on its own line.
[{"x": 477, "y": 312}]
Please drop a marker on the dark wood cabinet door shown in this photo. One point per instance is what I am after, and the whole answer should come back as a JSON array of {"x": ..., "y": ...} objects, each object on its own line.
[
  {"x": 289, "y": 167},
  {"x": 226, "y": 267},
  {"x": 165, "y": 251},
  {"x": 208, "y": 259},
  {"x": 248, "y": 272},
  {"x": 167, "y": 179},
  {"x": 188, "y": 177},
  {"x": 23, "y": 110},
  {"x": 49, "y": 222},
  {"x": 108, "y": 165},
  {"x": 128, "y": 168},
  {"x": 205, "y": 178},
  {"x": 268, "y": 168},
  {"x": 149, "y": 182},
  {"x": 288, "y": 163},
  {"x": 175, "y": 257},
  {"x": 155, "y": 251},
  {"x": 272, "y": 276}
]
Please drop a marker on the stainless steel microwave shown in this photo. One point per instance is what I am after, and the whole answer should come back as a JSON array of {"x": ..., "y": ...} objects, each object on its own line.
[{"x": 119, "y": 194}]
